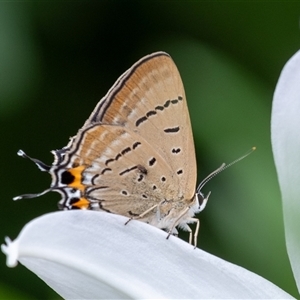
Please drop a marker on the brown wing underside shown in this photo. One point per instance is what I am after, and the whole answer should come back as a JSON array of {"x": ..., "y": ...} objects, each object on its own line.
[
  {"x": 144, "y": 117},
  {"x": 147, "y": 94}
]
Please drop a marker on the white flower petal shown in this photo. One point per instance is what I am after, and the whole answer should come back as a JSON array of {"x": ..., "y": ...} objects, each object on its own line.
[
  {"x": 88, "y": 254},
  {"x": 285, "y": 128},
  {"x": 11, "y": 251}
]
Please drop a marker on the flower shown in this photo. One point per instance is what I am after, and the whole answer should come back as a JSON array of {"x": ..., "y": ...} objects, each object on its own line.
[
  {"x": 285, "y": 128},
  {"x": 88, "y": 254}
]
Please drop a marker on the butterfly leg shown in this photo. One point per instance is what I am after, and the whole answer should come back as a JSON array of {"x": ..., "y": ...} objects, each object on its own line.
[
  {"x": 189, "y": 230},
  {"x": 142, "y": 214},
  {"x": 176, "y": 221},
  {"x": 202, "y": 201},
  {"x": 197, "y": 221}
]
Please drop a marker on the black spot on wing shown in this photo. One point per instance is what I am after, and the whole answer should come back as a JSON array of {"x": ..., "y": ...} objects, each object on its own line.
[
  {"x": 172, "y": 129},
  {"x": 136, "y": 144},
  {"x": 73, "y": 201},
  {"x": 118, "y": 156},
  {"x": 128, "y": 170},
  {"x": 140, "y": 178},
  {"x": 176, "y": 150},
  {"x": 67, "y": 177},
  {"x": 152, "y": 161},
  {"x": 179, "y": 172},
  {"x": 140, "y": 121},
  {"x": 123, "y": 152},
  {"x": 94, "y": 178},
  {"x": 151, "y": 113},
  {"x": 105, "y": 170},
  {"x": 126, "y": 150},
  {"x": 109, "y": 161},
  {"x": 167, "y": 103},
  {"x": 159, "y": 107}
]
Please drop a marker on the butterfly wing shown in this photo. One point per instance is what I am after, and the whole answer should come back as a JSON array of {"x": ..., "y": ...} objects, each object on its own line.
[
  {"x": 124, "y": 174},
  {"x": 149, "y": 99},
  {"x": 136, "y": 149}
]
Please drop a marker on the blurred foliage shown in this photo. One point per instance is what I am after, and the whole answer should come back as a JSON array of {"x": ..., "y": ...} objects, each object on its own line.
[{"x": 57, "y": 59}]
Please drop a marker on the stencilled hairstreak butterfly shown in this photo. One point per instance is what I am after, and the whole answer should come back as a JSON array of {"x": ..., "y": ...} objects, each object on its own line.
[{"x": 135, "y": 155}]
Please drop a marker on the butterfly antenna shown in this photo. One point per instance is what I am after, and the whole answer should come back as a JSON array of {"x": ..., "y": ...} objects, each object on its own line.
[{"x": 222, "y": 168}]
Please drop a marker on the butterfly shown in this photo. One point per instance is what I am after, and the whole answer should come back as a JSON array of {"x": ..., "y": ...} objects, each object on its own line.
[{"x": 134, "y": 155}]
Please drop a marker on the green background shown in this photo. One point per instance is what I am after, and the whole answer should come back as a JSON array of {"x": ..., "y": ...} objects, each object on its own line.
[{"x": 57, "y": 59}]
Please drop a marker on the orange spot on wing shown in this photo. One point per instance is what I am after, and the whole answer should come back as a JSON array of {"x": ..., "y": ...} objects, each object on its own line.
[
  {"x": 82, "y": 203},
  {"x": 77, "y": 173}
]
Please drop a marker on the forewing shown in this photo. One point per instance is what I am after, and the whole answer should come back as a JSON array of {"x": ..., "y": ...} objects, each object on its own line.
[{"x": 149, "y": 99}]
